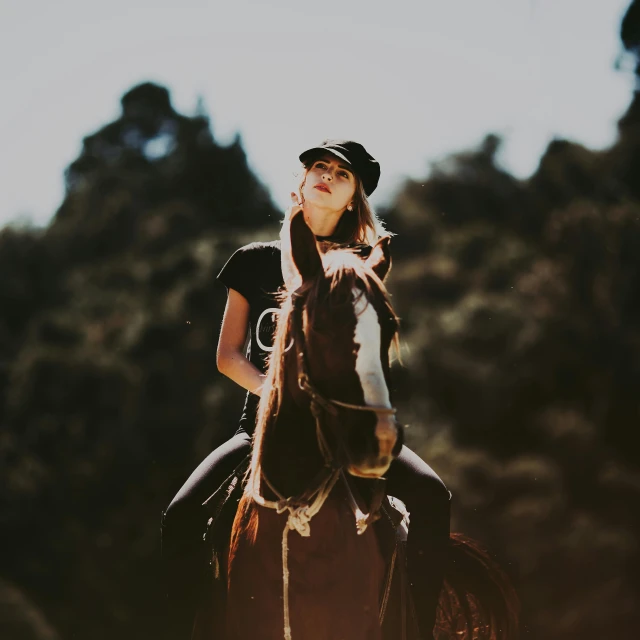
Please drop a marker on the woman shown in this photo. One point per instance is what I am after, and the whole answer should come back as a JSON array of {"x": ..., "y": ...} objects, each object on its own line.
[{"x": 338, "y": 177}]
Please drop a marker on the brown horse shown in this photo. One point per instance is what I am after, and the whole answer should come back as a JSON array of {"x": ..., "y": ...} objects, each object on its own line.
[{"x": 303, "y": 562}]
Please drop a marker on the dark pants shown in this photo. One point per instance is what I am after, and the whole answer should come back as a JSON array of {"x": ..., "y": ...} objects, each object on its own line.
[{"x": 409, "y": 478}]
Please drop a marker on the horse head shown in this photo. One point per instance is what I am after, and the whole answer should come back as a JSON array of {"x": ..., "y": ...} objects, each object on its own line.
[{"x": 341, "y": 328}]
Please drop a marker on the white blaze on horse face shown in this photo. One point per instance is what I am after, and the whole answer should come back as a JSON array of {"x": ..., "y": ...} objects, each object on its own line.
[{"x": 368, "y": 364}]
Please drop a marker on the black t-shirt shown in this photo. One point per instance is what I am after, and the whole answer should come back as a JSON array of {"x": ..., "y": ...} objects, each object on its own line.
[{"x": 255, "y": 272}]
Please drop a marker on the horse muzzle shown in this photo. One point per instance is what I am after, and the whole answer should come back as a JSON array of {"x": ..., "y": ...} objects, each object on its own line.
[{"x": 388, "y": 442}]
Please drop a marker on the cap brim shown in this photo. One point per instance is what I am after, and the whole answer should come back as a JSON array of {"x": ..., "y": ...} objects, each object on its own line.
[{"x": 319, "y": 151}]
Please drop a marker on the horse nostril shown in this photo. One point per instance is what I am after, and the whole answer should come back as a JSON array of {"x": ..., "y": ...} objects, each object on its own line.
[{"x": 387, "y": 435}]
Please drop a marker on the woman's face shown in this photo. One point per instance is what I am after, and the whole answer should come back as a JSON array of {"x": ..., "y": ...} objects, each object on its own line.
[{"x": 329, "y": 183}]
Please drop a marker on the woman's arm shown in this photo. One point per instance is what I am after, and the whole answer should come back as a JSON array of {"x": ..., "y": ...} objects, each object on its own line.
[{"x": 230, "y": 358}]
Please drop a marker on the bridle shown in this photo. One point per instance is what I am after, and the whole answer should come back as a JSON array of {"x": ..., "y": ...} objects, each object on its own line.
[
  {"x": 319, "y": 402},
  {"x": 302, "y": 508}
]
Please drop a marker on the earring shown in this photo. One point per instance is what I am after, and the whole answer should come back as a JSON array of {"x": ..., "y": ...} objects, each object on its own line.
[{"x": 350, "y": 207}]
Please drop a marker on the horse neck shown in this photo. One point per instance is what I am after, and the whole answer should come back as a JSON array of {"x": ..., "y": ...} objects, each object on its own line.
[{"x": 290, "y": 454}]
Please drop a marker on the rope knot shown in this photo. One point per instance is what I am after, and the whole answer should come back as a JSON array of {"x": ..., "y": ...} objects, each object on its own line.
[{"x": 299, "y": 516}]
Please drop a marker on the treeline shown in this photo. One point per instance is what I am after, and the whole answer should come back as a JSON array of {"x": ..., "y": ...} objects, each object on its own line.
[
  {"x": 521, "y": 306},
  {"x": 109, "y": 321}
]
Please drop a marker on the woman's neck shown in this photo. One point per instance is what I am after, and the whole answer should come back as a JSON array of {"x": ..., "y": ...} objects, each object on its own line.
[{"x": 321, "y": 221}]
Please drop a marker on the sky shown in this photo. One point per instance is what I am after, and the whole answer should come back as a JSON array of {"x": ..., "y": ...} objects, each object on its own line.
[{"x": 411, "y": 80}]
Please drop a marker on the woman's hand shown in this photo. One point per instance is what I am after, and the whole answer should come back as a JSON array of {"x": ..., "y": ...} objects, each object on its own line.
[{"x": 260, "y": 388}]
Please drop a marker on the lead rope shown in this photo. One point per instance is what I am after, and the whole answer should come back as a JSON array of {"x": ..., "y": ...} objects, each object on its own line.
[
  {"x": 299, "y": 519},
  {"x": 300, "y": 515}
]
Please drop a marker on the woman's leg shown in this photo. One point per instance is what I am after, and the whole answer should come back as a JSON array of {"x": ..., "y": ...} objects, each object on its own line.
[
  {"x": 183, "y": 524},
  {"x": 428, "y": 502}
]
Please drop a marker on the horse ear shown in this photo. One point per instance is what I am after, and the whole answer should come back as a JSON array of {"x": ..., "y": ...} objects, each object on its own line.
[
  {"x": 379, "y": 259},
  {"x": 304, "y": 248}
]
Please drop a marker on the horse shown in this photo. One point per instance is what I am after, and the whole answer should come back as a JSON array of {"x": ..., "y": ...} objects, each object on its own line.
[{"x": 310, "y": 556}]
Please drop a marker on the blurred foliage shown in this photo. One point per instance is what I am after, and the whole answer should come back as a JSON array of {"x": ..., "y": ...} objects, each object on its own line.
[
  {"x": 520, "y": 307},
  {"x": 110, "y": 394},
  {"x": 520, "y": 303}
]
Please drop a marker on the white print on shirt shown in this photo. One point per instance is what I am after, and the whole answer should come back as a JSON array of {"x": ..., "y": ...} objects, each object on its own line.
[
  {"x": 263, "y": 346},
  {"x": 273, "y": 311}
]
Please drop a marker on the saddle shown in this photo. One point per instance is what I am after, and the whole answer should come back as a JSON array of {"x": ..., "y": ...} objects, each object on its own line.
[{"x": 397, "y": 615}]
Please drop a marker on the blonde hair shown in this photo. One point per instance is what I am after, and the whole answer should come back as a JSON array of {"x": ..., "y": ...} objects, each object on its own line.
[{"x": 360, "y": 226}]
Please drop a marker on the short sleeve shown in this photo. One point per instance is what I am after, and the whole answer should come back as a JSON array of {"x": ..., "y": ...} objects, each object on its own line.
[{"x": 239, "y": 271}]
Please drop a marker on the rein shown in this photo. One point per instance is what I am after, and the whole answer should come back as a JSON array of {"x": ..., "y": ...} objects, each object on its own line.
[{"x": 302, "y": 508}]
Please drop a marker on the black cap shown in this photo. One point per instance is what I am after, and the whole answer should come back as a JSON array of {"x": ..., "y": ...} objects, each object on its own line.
[{"x": 363, "y": 163}]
